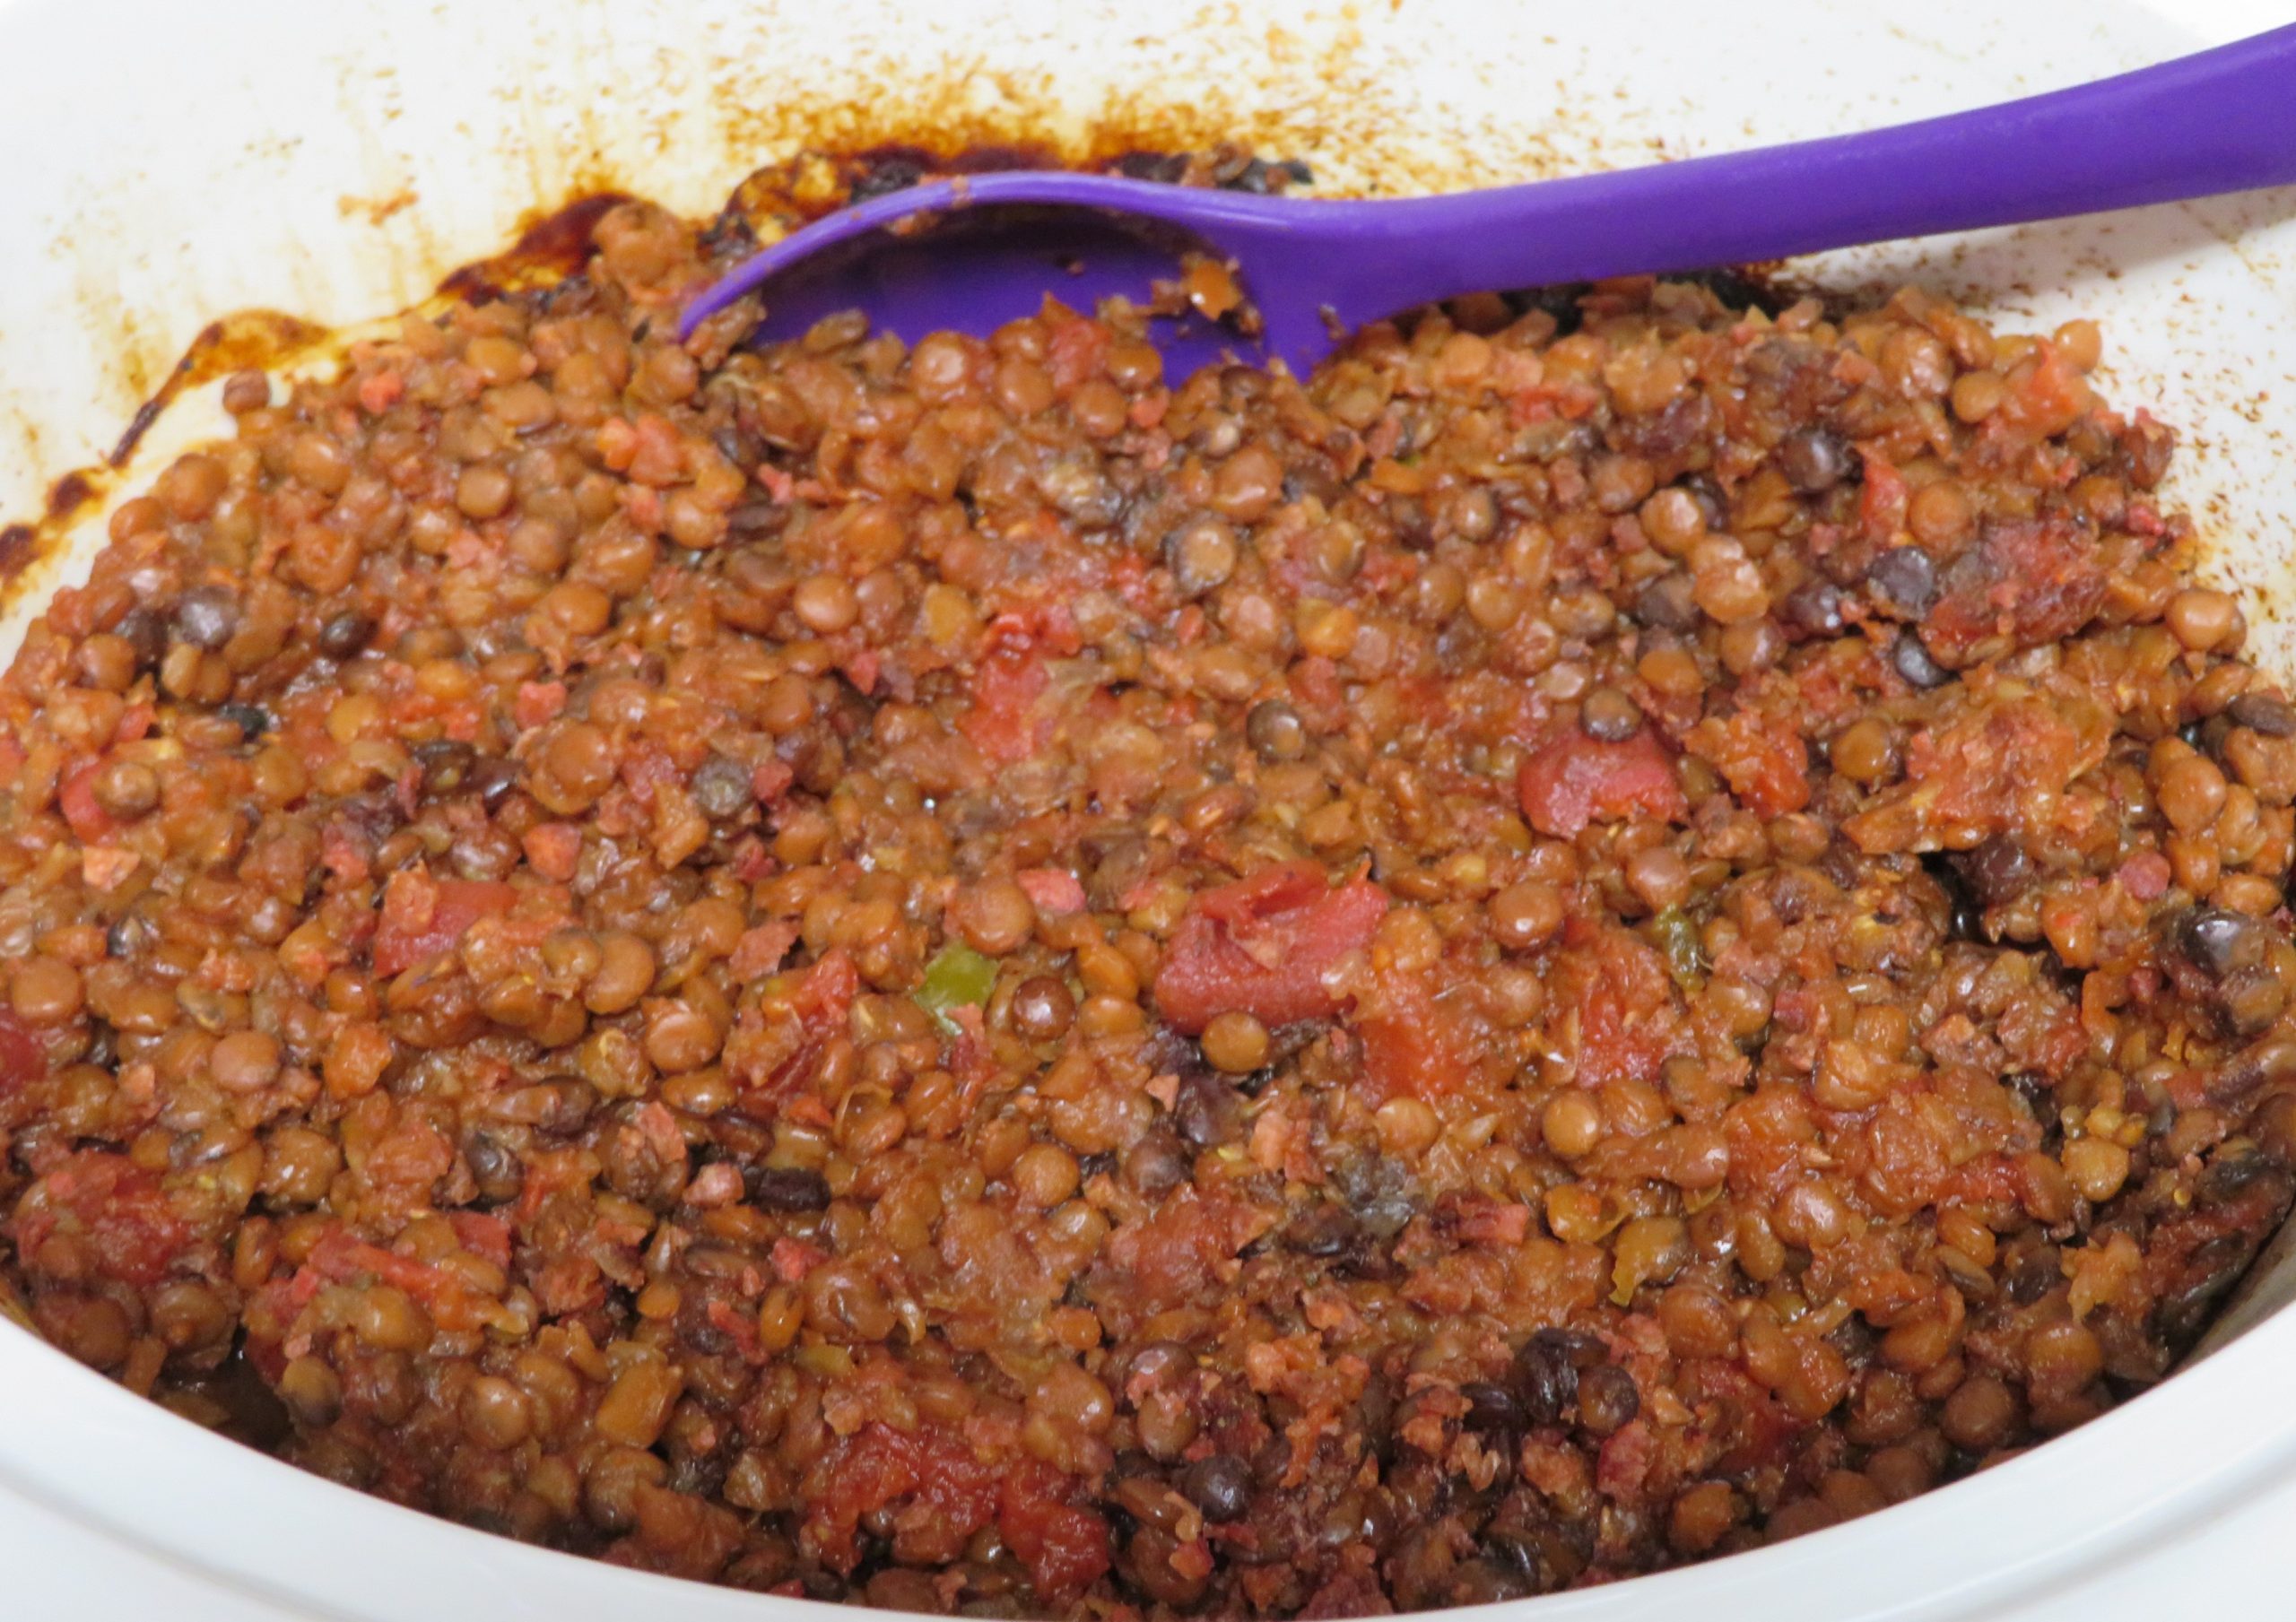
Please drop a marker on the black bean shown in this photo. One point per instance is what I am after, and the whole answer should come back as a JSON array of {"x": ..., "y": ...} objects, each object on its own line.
[
  {"x": 1667, "y": 603},
  {"x": 2260, "y": 712},
  {"x": 1158, "y": 1163},
  {"x": 1903, "y": 580},
  {"x": 1220, "y": 1484},
  {"x": 1812, "y": 608},
  {"x": 1274, "y": 730},
  {"x": 1382, "y": 1192},
  {"x": 130, "y": 934},
  {"x": 2221, "y": 942},
  {"x": 1490, "y": 1407},
  {"x": 252, "y": 719},
  {"x": 1814, "y": 459},
  {"x": 1207, "y": 1111},
  {"x": 2033, "y": 1274},
  {"x": 445, "y": 764},
  {"x": 206, "y": 615},
  {"x": 1607, "y": 1398},
  {"x": 723, "y": 788},
  {"x": 1996, "y": 871},
  {"x": 492, "y": 778},
  {"x": 1546, "y": 1373},
  {"x": 144, "y": 631},
  {"x": 785, "y": 1188},
  {"x": 1323, "y": 1229},
  {"x": 1912, "y": 661},
  {"x": 346, "y": 634},
  {"x": 1609, "y": 716},
  {"x": 495, "y": 1166}
]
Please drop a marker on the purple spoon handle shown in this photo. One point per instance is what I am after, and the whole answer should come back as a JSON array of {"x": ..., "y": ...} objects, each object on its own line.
[{"x": 2223, "y": 120}]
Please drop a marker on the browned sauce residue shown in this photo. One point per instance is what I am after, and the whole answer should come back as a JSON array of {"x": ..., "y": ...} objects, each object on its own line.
[{"x": 550, "y": 244}]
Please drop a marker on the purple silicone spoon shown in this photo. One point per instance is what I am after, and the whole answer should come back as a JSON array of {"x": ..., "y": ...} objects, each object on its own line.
[{"x": 2224, "y": 120}]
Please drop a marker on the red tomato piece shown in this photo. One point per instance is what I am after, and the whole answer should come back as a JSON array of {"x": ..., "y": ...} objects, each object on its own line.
[
  {"x": 23, "y": 1059},
  {"x": 1054, "y": 889},
  {"x": 1065, "y": 1549},
  {"x": 537, "y": 703},
  {"x": 1759, "y": 756},
  {"x": 1571, "y": 779},
  {"x": 949, "y": 1493},
  {"x": 113, "y": 1207},
  {"x": 1630, "y": 1018},
  {"x": 75, "y": 797},
  {"x": 410, "y": 933},
  {"x": 1414, "y": 1041},
  {"x": 554, "y": 850},
  {"x": 1262, "y": 944},
  {"x": 1882, "y": 503},
  {"x": 1002, "y": 721}
]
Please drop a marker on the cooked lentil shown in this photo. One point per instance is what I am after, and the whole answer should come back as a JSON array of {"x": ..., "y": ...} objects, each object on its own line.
[{"x": 968, "y": 978}]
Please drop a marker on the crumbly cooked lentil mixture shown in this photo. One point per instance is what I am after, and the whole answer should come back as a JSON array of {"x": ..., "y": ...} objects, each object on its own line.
[{"x": 972, "y": 979}]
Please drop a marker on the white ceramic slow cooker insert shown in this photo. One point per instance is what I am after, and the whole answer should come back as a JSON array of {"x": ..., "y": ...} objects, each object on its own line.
[{"x": 169, "y": 162}]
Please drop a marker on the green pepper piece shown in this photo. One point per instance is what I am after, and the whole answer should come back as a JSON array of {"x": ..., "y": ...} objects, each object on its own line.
[
  {"x": 1685, "y": 954},
  {"x": 957, "y": 977}
]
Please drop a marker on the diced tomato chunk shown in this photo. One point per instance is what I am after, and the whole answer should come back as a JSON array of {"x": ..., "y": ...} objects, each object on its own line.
[
  {"x": 1065, "y": 1548},
  {"x": 1629, "y": 1020},
  {"x": 2145, "y": 875},
  {"x": 1262, "y": 945},
  {"x": 1881, "y": 502},
  {"x": 1054, "y": 889},
  {"x": 22, "y": 1061},
  {"x": 554, "y": 850},
  {"x": 949, "y": 1494},
  {"x": 1003, "y": 721},
  {"x": 1759, "y": 755},
  {"x": 75, "y": 797},
  {"x": 410, "y": 932},
  {"x": 1571, "y": 779},
  {"x": 2025, "y": 581},
  {"x": 1415, "y": 1041},
  {"x": 537, "y": 703},
  {"x": 115, "y": 1208}
]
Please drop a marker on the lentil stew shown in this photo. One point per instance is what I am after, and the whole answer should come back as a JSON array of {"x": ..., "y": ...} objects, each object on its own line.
[{"x": 969, "y": 978}]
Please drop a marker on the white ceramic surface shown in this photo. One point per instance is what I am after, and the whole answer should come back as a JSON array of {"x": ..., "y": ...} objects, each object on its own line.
[{"x": 170, "y": 162}]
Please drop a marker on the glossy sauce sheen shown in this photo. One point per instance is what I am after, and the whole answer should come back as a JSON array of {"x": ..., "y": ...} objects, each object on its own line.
[{"x": 975, "y": 979}]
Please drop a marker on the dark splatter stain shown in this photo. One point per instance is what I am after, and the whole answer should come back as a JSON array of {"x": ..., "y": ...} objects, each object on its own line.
[
  {"x": 18, "y": 546},
  {"x": 68, "y": 495},
  {"x": 551, "y": 247}
]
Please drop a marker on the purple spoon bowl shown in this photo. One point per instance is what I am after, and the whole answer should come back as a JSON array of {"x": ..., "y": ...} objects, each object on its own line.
[{"x": 2221, "y": 120}]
